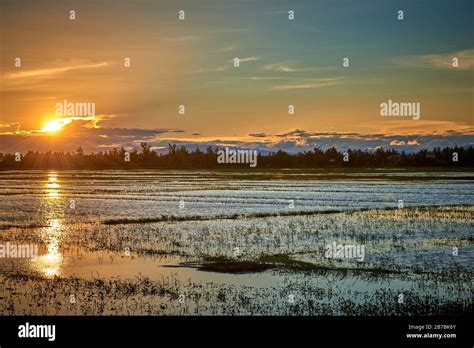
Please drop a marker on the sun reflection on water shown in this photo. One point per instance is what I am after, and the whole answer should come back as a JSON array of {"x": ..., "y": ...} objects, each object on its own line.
[
  {"x": 49, "y": 264},
  {"x": 52, "y": 186}
]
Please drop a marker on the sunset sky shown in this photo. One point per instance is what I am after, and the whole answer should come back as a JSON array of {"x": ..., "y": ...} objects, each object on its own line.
[{"x": 190, "y": 62}]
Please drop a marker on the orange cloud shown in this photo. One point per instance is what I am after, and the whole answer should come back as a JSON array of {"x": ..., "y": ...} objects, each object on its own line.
[{"x": 52, "y": 71}]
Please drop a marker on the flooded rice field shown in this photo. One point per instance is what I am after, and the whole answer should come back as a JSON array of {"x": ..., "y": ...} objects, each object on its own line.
[{"x": 231, "y": 243}]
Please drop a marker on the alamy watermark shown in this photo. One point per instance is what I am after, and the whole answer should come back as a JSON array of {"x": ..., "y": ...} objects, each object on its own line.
[
  {"x": 233, "y": 156},
  {"x": 345, "y": 251},
  {"x": 397, "y": 109},
  {"x": 75, "y": 109},
  {"x": 37, "y": 331},
  {"x": 26, "y": 251}
]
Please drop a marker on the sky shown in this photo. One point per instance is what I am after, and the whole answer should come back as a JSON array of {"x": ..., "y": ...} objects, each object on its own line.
[{"x": 190, "y": 62}]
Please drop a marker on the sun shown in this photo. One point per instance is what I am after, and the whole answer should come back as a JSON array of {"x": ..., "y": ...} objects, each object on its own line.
[
  {"x": 52, "y": 126},
  {"x": 55, "y": 125}
]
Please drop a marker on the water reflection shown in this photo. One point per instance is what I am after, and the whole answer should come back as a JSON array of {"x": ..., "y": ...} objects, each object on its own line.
[
  {"x": 52, "y": 185},
  {"x": 49, "y": 264}
]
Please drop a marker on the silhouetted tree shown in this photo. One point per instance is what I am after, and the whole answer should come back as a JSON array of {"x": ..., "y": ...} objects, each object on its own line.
[{"x": 180, "y": 157}]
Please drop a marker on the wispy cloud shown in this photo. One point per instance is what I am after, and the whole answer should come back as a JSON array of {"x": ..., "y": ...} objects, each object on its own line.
[
  {"x": 45, "y": 72},
  {"x": 265, "y": 78},
  {"x": 9, "y": 128},
  {"x": 423, "y": 127},
  {"x": 440, "y": 61},
  {"x": 289, "y": 67},
  {"x": 227, "y": 49},
  {"x": 179, "y": 39},
  {"x": 210, "y": 70},
  {"x": 279, "y": 67},
  {"x": 309, "y": 84},
  {"x": 246, "y": 59}
]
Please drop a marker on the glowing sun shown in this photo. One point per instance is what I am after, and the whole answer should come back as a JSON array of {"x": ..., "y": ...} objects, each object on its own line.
[{"x": 55, "y": 125}]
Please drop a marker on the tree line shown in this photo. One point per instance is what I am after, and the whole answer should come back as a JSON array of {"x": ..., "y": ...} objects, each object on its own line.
[{"x": 178, "y": 157}]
